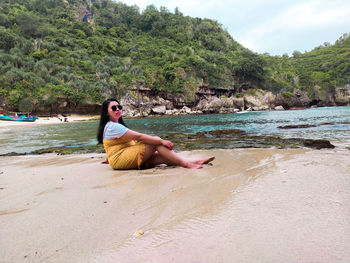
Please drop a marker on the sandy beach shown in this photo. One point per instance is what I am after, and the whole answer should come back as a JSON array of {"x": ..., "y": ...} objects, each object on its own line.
[
  {"x": 49, "y": 120},
  {"x": 251, "y": 205}
]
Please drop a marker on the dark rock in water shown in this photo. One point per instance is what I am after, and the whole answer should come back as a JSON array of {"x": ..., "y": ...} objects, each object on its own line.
[
  {"x": 301, "y": 126},
  {"x": 297, "y": 126},
  {"x": 69, "y": 150},
  {"x": 235, "y": 138},
  {"x": 12, "y": 154},
  {"x": 327, "y": 123},
  {"x": 318, "y": 144},
  {"x": 63, "y": 150},
  {"x": 220, "y": 133}
]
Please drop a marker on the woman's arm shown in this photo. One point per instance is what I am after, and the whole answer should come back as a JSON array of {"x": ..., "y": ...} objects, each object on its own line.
[{"x": 153, "y": 140}]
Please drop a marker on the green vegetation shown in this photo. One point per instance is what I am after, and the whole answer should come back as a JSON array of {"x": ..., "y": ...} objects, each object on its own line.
[
  {"x": 318, "y": 72},
  {"x": 288, "y": 94},
  {"x": 82, "y": 51}
]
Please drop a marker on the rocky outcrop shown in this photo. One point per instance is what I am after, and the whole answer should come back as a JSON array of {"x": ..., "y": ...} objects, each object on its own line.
[
  {"x": 259, "y": 100},
  {"x": 239, "y": 139},
  {"x": 295, "y": 99},
  {"x": 279, "y": 108},
  {"x": 160, "y": 110},
  {"x": 222, "y": 104},
  {"x": 145, "y": 106},
  {"x": 342, "y": 96},
  {"x": 142, "y": 102},
  {"x": 83, "y": 14}
]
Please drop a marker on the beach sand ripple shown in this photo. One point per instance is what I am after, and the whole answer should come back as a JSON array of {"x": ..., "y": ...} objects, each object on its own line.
[{"x": 251, "y": 205}]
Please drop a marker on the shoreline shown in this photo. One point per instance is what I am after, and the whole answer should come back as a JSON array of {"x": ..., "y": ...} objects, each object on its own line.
[
  {"x": 50, "y": 120},
  {"x": 250, "y": 205},
  {"x": 88, "y": 117}
]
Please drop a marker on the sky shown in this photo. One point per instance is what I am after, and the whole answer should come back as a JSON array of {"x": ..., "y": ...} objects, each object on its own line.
[{"x": 276, "y": 27}]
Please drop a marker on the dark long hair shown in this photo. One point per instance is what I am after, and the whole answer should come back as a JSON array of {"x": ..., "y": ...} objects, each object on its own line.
[{"x": 105, "y": 118}]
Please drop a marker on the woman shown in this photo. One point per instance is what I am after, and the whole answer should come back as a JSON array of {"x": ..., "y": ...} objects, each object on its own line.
[{"x": 127, "y": 149}]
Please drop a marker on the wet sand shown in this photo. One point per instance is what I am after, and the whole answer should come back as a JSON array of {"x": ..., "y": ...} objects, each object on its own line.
[{"x": 251, "y": 205}]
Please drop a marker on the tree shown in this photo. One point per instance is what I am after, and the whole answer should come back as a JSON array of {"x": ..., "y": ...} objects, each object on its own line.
[
  {"x": 248, "y": 65},
  {"x": 7, "y": 39},
  {"x": 25, "y": 105},
  {"x": 29, "y": 24}
]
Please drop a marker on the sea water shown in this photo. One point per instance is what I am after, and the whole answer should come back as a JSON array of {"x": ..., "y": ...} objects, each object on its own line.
[{"x": 331, "y": 123}]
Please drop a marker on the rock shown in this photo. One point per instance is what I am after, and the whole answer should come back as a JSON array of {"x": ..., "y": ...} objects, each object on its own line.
[
  {"x": 185, "y": 110},
  {"x": 237, "y": 102},
  {"x": 279, "y": 107},
  {"x": 223, "y": 104},
  {"x": 129, "y": 110},
  {"x": 130, "y": 101},
  {"x": 287, "y": 99},
  {"x": 228, "y": 110},
  {"x": 260, "y": 100},
  {"x": 239, "y": 139},
  {"x": 342, "y": 95},
  {"x": 159, "y": 110},
  {"x": 318, "y": 144},
  {"x": 172, "y": 112},
  {"x": 223, "y": 110},
  {"x": 159, "y": 101},
  {"x": 297, "y": 126},
  {"x": 259, "y": 108}
]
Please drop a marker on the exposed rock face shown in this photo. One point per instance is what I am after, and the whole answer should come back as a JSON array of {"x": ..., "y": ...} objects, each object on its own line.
[
  {"x": 261, "y": 100},
  {"x": 223, "y": 104},
  {"x": 83, "y": 14},
  {"x": 159, "y": 110},
  {"x": 342, "y": 96},
  {"x": 296, "y": 98},
  {"x": 134, "y": 107},
  {"x": 279, "y": 107},
  {"x": 143, "y": 102}
]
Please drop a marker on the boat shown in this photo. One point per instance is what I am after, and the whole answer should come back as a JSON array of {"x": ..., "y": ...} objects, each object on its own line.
[{"x": 18, "y": 118}]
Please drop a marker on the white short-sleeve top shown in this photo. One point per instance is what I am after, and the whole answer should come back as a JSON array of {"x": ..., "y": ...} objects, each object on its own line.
[{"x": 114, "y": 130}]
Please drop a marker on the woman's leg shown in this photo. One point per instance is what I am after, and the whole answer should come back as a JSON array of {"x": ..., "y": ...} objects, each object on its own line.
[
  {"x": 175, "y": 159},
  {"x": 166, "y": 156}
]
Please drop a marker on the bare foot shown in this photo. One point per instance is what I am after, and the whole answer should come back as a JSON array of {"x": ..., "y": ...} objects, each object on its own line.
[
  {"x": 191, "y": 165},
  {"x": 105, "y": 161},
  {"x": 204, "y": 161}
]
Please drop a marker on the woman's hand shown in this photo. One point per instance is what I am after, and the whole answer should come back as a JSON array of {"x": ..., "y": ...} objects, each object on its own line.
[{"x": 167, "y": 144}]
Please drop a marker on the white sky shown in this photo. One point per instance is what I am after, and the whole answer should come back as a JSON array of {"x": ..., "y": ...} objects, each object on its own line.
[{"x": 273, "y": 26}]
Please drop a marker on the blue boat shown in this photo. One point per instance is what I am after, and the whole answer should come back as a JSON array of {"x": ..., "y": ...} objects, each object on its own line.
[{"x": 18, "y": 118}]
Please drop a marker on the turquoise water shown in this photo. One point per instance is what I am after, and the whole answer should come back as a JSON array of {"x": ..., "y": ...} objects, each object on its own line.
[{"x": 23, "y": 139}]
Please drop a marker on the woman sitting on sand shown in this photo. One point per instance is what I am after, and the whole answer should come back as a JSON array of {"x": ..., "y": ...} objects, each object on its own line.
[{"x": 127, "y": 149}]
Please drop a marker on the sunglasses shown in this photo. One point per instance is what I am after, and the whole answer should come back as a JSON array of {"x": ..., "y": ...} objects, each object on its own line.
[{"x": 114, "y": 108}]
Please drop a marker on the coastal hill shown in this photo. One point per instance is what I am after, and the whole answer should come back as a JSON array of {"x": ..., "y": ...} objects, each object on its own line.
[{"x": 69, "y": 55}]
